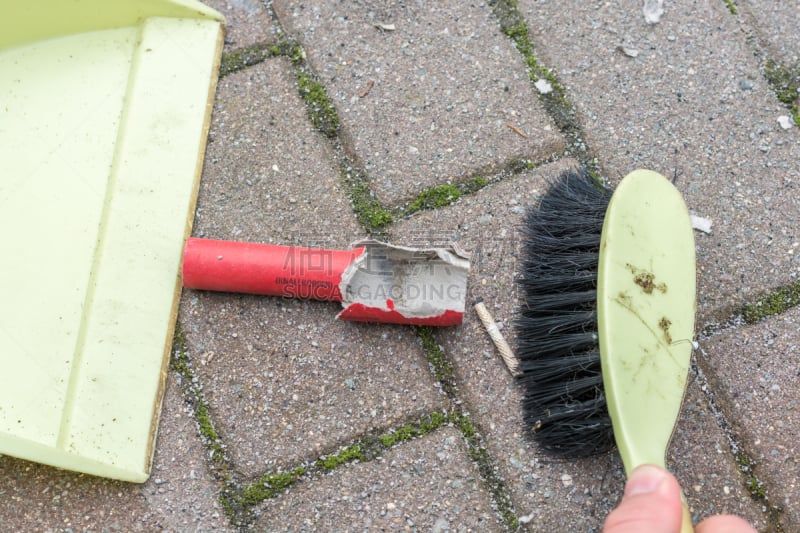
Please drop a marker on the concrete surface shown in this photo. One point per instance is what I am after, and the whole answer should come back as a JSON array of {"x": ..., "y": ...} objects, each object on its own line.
[
  {"x": 776, "y": 25},
  {"x": 265, "y": 166},
  {"x": 247, "y": 23},
  {"x": 445, "y": 84},
  {"x": 756, "y": 373},
  {"x": 428, "y": 484},
  {"x": 278, "y": 418},
  {"x": 692, "y": 105}
]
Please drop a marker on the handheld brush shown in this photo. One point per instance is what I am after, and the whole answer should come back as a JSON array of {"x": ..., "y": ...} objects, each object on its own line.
[{"x": 607, "y": 316}]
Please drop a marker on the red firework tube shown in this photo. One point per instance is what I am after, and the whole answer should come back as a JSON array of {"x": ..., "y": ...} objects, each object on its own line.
[{"x": 269, "y": 269}]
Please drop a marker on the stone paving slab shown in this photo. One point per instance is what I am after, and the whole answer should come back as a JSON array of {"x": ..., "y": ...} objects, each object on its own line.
[
  {"x": 179, "y": 496},
  {"x": 37, "y": 497},
  {"x": 268, "y": 176},
  {"x": 755, "y": 373},
  {"x": 247, "y": 23},
  {"x": 181, "y": 487},
  {"x": 778, "y": 24},
  {"x": 285, "y": 381},
  {"x": 443, "y": 85},
  {"x": 426, "y": 484},
  {"x": 691, "y": 104},
  {"x": 701, "y": 458},
  {"x": 559, "y": 496}
]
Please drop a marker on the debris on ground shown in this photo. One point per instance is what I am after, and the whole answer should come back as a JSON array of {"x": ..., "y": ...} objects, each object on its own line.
[
  {"x": 701, "y": 223},
  {"x": 653, "y": 9},
  {"x": 543, "y": 86}
]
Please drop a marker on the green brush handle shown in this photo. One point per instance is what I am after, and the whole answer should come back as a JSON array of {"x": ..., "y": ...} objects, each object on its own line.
[
  {"x": 686, "y": 521},
  {"x": 645, "y": 312}
]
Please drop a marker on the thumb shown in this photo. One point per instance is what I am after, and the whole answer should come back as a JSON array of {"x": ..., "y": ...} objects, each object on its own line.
[{"x": 652, "y": 502}]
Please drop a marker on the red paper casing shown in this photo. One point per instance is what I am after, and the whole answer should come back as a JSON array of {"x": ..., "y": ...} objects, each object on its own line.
[{"x": 290, "y": 271}]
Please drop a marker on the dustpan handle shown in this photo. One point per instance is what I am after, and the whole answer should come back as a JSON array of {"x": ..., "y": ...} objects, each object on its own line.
[{"x": 269, "y": 269}]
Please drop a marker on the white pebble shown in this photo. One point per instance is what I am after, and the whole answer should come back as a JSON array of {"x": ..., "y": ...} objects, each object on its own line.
[
  {"x": 543, "y": 86},
  {"x": 785, "y": 121}
]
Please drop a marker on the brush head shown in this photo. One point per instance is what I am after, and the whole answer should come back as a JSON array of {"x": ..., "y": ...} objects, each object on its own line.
[{"x": 557, "y": 344}]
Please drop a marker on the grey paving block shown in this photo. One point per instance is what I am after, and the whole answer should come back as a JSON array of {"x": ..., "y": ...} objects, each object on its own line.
[
  {"x": 691, "y": 104},
  {"x": 181, "y": 487},
  {"x": 287, "y": 383},
  {"x": 755, "y": 371},
  {"x": 427, "y": 484},
  {"x": 701, "y": 457},
  {"x": 179, "y": 496},
  {"x": 284, "y": 380},
  {"x": 268, "y": 176},
  {"x": 247, "y": 22},
  {"x": 555, "y": 495},
  {"x": 778, "y": 25},
  {"x": 35, "y": 497},
  {"x": 424, "y": 91}
]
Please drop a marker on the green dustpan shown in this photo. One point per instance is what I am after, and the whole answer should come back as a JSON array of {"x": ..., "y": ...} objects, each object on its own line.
[{"x": 104, "y": 111}]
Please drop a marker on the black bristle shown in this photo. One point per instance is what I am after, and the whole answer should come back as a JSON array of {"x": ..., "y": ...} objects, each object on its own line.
[{"x": 563, "y": 400}]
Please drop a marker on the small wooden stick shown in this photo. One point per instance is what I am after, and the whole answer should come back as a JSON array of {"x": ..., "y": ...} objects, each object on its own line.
[
  {"x": 499, "y": 341},
  {"x": 365, "y": 91},
  {"x": 517, "y": 130}
]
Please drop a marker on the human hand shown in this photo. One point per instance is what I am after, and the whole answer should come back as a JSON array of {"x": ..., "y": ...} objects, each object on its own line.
[{"x": 652, "y": 503}]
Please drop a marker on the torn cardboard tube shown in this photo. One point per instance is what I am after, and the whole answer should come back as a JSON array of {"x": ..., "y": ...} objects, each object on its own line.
[{"x": 375, "y": 281}]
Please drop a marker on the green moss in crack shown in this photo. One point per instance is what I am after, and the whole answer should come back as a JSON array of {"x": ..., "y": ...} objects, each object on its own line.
[
  {"x": 731, "y": 6},
  {"x": 758, "y": 491},
  {"x": 242, "y": 58},
  {"x": 442, "y": 369},
  {"x": 433, "y": 421},
  {"x": 179, "y": 363},
  {"x": 443, "y": 195},
  {"x": 318, "y": 105},
  {"x": 775, "y": 303},
  {"x": 784, "y": 83},
  {"x": 269, "y": 486},
  {"x": 555, "y": 102},
  {"x": 474, "y": 184},
  {"x": 466, "y": 427},
  {"x": 238, "y": 513},
  {"x": 754, "y": 486},
  {"x": 373, "y": 216},
  {"x": 228, "y": 507},
  {"x": 209, "y": 433},
  {"x": 351, "y": 453},
  {"x": 295, "y": 53},
  {"x": 513, "y": 25},
  {"x": 370, "y": 213},
  {"x": 438, "y": 196},
  {"x": 483, "y": 460},
  {"x": 246, "y": 57},
  {"x": 400, "y": 434},
  {"x": 426, "y": 424},
  {"x": 519, "y": 34}
]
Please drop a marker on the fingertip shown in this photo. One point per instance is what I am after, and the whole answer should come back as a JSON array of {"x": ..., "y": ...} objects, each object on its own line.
[
  {"x": 651, "y": 502},
  {"x": 725, "y": 524},
  {"x": 645, "y": 479}
]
